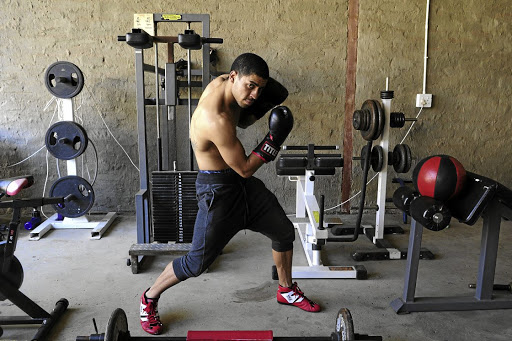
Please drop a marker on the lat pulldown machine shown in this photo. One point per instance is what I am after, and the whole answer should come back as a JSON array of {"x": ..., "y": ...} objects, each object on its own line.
[{"x": 166, "y": 210}]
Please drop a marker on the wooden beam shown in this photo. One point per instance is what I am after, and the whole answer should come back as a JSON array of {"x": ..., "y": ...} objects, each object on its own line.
[{"x": 350, "y": 95}]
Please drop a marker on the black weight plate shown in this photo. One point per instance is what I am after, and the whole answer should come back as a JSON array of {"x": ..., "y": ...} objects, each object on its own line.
[
  {"x": 15, "y": 274},
  {"x": 373, "y": 124},
  {"x": 360, "y": 120},
  {"x": 377, "y": 159},
  {"x": 81, "y": 196},
  {"x": 408, "y": 158},
  {"x": 382, "y": 120},
  {"x": 117, "y": 326},
  {"x": 344, "y": 325},
  {"x": 66, "y": 140},
  {"x": 64, "y": 79},
  {"x": 401, "y": 158},
  {"x": 376, "y": 120}
]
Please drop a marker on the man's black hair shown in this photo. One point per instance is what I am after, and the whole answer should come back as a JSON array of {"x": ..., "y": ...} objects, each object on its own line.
[{"x": 249, "y": 63}]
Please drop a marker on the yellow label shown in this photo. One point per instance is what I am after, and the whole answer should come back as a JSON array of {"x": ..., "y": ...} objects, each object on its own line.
[
  {"x": 144, "y": 21},
  {"x": 171, "y": 16},
  {"x": 316, "y": 215}
]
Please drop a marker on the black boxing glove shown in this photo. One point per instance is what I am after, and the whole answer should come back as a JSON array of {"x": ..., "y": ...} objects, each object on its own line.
[
  {"x": 280, "y": 123},
  {"x": 273, "y": 94}
]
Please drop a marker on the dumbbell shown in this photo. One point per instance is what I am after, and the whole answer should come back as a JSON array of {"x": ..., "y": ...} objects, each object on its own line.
[{"x": 429, "y": 212}]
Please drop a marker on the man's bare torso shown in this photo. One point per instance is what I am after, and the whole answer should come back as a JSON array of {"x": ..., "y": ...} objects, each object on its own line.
[{"x": 213, "y": 115}]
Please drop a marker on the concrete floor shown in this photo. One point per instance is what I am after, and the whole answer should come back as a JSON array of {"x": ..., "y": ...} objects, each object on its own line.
[{"x": 238, "y": 292}]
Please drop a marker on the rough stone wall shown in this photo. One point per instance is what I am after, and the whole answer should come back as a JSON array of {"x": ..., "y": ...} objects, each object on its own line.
[{"x": 304, "y": 41}]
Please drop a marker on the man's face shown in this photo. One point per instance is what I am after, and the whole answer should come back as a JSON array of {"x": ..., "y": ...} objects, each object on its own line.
[{"x": 246, "y": 89}]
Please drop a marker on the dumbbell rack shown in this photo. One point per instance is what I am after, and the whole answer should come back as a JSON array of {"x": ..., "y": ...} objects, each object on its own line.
[
  {"x": 153, "y": 224},
  {"x": 66, "y": 72}
]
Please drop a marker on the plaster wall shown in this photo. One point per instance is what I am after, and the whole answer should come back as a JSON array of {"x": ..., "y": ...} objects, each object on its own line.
[{"x": 304, "y": 42}]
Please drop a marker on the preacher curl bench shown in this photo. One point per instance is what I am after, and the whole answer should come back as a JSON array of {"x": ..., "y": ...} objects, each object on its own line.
[{"x": 314, "y": 233}]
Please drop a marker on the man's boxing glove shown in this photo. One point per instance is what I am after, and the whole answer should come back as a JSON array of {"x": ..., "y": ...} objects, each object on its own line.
[
  {"x": 273, "y": 94},
  {"x": 280, "y": 123}
]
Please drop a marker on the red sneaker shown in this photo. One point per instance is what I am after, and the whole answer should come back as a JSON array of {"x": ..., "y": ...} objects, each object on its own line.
[
  {"x": 294, "y": 296},
  {"x": 149, "y": 318}
]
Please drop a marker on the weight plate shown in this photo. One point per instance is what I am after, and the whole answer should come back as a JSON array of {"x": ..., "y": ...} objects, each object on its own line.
[
  {"x": 117, "y": 326},
  {"x": 382, "y": 120},
  {"x": 408, "y": 159},
  {"x": 64, "y": 79},
  {"x": 402, "y": 158},
  {"x": 345, "y": 325},
  {"x": 375, "y": 124},
  {"x": 14, "y": 275},
  {"x": 360, "y": 119},
  {"x": 377, "y": 159},
  {"x": 66, "y": 140},
  {"x": 78, "y": 195},
  {"x": 396, "y": 120}
]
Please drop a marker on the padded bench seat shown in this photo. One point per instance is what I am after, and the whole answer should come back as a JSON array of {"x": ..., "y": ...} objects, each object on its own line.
[{"x": 297, "y": 164}]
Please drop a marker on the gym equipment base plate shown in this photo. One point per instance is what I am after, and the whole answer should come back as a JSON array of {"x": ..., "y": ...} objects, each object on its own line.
[{"x": 154, "y": 249}]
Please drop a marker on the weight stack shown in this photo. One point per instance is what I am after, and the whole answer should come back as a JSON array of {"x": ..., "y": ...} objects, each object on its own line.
[{"x": 174, "y": 206}]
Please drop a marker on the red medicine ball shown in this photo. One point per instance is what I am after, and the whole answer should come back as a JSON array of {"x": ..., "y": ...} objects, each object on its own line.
[{"x": 440, "y": 177}]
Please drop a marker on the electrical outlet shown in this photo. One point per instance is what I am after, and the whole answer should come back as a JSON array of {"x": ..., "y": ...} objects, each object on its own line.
[{"x": 423, "y": 100}]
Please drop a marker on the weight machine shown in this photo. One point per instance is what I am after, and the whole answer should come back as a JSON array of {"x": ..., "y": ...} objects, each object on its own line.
[{"x": 166, "y": 205}]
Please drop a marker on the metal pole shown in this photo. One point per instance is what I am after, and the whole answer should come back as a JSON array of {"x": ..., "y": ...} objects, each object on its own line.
[
  {"x": 157, "y": 106},
  {"x": 189, "y": 84}
]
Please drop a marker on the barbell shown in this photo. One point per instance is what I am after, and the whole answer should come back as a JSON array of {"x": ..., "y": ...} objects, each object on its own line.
[{"x": 117, "y": 330}]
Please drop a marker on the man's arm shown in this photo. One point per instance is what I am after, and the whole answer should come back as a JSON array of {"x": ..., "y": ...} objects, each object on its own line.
[{"x": 231, "y": 149}]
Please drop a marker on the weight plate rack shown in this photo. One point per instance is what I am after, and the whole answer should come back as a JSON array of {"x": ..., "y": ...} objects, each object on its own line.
[{"x": 174, "y": 206}]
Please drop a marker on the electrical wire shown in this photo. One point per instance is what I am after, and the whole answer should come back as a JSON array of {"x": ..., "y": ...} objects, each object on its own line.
[
  {"x": 110, "y": 132},
  {"x": 44, "y": 109},
  {"x": 18, "y": 163},
  {"x": 412, "y": 125}
]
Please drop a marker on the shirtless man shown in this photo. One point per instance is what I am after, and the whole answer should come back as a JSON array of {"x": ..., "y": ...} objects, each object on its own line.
[{"x": 230, "y": 198}]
